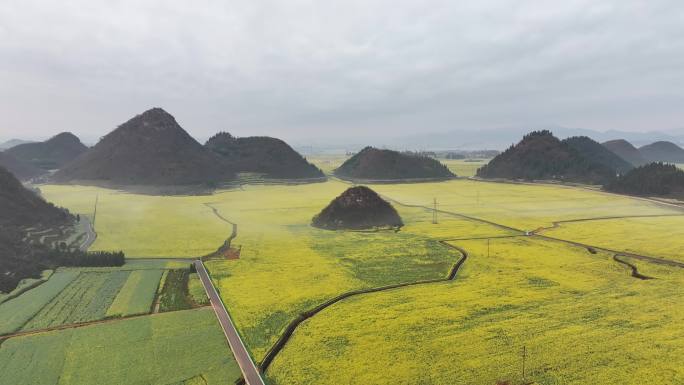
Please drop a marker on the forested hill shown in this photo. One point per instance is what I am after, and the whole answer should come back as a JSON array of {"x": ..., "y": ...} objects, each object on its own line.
[
  {"x": 261, "y": 154},
  {"x": 542, "y": 156},
  {"x": 374, "y": 164},
  {"x": 654, "y": 179},
  {"x": 597, "y": 153},
  {"x": 626, "y": 151},
  {"x": 50, "y": 154},
  {"x": 150, "y": 149}
]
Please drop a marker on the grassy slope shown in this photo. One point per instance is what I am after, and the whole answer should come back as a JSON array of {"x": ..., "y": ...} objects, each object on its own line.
[{"x": 158, "y": 349}]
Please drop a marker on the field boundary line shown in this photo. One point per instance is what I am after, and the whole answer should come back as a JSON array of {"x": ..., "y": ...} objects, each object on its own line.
[{"x": 90, "y": 323}]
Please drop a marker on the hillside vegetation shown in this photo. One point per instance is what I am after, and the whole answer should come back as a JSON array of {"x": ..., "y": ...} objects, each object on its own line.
[
  {"x": 375, "y": 164},
  {"x": 653, "y": 179},
  {"x": 662, "y": 151},
  {"x": 149, "y": 149},
  {"x": 261, "y": 154},
  {"x": 626, "y": 151},
  {"x": 542, "y": 156},
  {"x": 50, "y": 154},
  {"x": 21, "y": 258},
  {"x": 357, "y": 208},
  {"x": 22, "y": 170}
]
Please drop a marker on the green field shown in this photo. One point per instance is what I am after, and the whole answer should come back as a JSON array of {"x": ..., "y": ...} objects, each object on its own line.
[
  {"x": 16, "y": 312},
  {"x": 560, "y": 301},
  {"x": 137, "y": 294},
  {"x": 168, "y": 348},
  {"x": 77, "y": 295},
  {"x": 87, "y": 298}
]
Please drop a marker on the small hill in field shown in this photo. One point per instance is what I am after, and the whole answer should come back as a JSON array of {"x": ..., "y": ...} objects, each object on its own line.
[
  {"x": 151, "y": 149},
  {"x": 11, "y": 143},
  {"x": 663, "y": 151},
  {"x": 626, "y": 151},
  {"x": 542, "y": 156},
  {"x": 596, "y": 153},
  {"x": 22, "y": 209},
  {"x": 20, "y": 169},
  {"x": 357, "y": 208},
  {"x": 261, "y": 154},
  {"x": 374, "y": 164},
  {"x": 654, "y": 179},
  {"x": 50, "y": 154}
]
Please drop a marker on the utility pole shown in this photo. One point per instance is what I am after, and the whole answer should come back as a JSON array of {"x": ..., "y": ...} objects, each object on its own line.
[
  {"x": 95, "y": 211},
  {"x": 524, "y": 356},
  {"x": 434, "y": 211}
]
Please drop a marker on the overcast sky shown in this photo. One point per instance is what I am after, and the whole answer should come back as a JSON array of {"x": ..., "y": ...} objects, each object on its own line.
[{"x": 299, "y": 69}]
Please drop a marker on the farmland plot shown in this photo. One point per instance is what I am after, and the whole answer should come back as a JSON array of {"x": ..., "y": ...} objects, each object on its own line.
[
  {"x": 16, "y": 312},
  {"x": 158, "y": 349},
  {"x": 86, "y": 299},
  {"x": 137, "y": 294}
]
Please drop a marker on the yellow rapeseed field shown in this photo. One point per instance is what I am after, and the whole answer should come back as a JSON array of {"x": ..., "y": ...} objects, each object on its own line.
[
  {"x": 574, "y": 311},
  {"x": 581, "y": 318},
  {"x": 657, "y": 237}
]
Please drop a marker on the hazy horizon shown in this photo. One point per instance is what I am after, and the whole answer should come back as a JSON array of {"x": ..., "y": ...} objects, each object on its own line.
[{"x": 305, "y": 70}]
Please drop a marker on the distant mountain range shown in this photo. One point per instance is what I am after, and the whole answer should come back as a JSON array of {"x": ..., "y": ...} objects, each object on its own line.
[
  {"x": 11, "y": 143},
  {"x": 467, "y": 139}
]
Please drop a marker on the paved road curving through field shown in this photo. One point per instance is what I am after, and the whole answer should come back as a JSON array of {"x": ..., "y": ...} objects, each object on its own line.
[{"x": 91, "y": 235}]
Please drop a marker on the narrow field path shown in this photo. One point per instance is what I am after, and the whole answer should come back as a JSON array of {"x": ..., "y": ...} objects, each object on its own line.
[
  {"x": 250, "y": 372},
  {"x": 89, "y": 323}
]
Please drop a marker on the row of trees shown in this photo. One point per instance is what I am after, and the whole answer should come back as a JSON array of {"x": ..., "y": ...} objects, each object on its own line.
[{"x": 64, "y": 256}]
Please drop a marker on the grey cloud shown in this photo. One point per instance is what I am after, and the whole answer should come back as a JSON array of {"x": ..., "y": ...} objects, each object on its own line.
[{"x": 297, "y": 69}]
